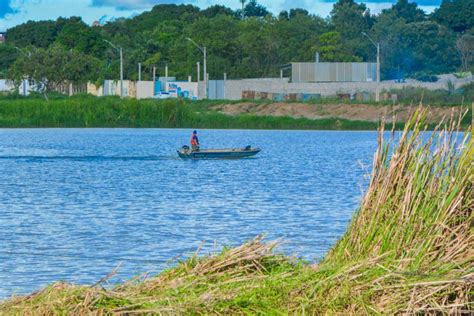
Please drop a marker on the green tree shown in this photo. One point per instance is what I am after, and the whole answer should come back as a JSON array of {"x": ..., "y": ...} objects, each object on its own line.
[
  {"x": 331, "y": 48},
  {"x": 8, "y": 55},
  {"x": 219, "y": 35},
  {"x": 396, "y": 55},
  {"x": 408, "y": 11},
  {"x": 255, "y": 9},
  {"x": 350, "y": 19},
  {"x": 297, "y": 37},
  {"x": 258, "y": 56},
  {"x": 54, "y": 66},
  {"x": 432, "y": 47},
  {"x": 39, "y": 34},
  {"x": 456, "y": 14},
  {"x": 295, "y": 12},
  {"x": 216, "y": 10},
  {"x": 75, "y": 34}
]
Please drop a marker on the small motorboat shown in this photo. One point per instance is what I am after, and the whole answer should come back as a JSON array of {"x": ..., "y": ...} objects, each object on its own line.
[{"x": 232, "y": 153}]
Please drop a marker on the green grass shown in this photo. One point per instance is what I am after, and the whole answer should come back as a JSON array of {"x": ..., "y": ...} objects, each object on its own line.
[
  {"x": 408, "y": 250},
  {"x": 442, "y": 97},
  {"x": 89, "y": 111}
]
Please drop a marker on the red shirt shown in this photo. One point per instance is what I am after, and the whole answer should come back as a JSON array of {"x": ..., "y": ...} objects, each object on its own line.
[{"x": 194, "y": 140}]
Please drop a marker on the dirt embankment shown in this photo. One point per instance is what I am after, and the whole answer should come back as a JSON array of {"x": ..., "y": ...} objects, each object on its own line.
[{"x": 360, "y": 112}]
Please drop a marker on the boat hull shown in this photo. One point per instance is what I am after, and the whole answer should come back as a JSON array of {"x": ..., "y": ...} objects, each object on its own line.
[{"x": 234, "y": 153}]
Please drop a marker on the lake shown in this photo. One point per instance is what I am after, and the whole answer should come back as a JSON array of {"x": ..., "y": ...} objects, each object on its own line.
[{"x": 75, "y": 203}]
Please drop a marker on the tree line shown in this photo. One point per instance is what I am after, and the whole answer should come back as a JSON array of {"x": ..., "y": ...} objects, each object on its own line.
[{"x": 246, "y": 43}]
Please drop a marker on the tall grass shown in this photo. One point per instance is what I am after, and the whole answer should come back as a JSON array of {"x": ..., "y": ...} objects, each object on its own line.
[
  {"x": 88, "y": 111},
  {"x": 440, "y": 97},
  {"x": 412, "y": 236},
  {"x": 408, "y": 250}
]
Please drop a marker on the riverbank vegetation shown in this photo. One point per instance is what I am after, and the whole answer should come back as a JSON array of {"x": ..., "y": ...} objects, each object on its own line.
[
  {"x": 407, "y": 250},
  {"x": 88, "y": 111}
]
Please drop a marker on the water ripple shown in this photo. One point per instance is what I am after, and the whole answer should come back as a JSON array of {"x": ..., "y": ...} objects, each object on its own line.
[{"x": 74, "y": 203}]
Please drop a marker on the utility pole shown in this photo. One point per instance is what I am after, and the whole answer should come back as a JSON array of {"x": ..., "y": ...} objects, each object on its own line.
[
  {"x": 377, "y": 45},
  {"x": 198, "y": 64},
  {"x": 121, "y": 73},
  {"x": 378, "y": 62},
  {"x": 120, "y": 50},
  {"x": 139, "y": 71},
  {"x": 204, "y": 51},
  {"x": 23, "y": 80},
  {"x": 206, "y": 76},
  {"x": 166, "y": 77},
  {"x": 154, "y": 80}
]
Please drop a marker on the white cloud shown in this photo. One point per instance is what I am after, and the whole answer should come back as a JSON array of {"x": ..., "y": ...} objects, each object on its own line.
[
  {"x": 91, "y": 10},
  {"x": 135, "y": 4},
  {"x": 52, "y": 9}
]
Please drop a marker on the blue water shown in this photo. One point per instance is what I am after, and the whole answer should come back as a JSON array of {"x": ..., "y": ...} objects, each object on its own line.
[{"x": 75, "y": 203}]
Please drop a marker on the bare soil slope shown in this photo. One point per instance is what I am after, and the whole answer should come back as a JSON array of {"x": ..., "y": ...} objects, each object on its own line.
[{"x": 361, "y": 112}]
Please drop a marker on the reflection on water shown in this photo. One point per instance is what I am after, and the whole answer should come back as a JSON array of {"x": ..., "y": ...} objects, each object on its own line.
[{"x": 74, "y": 203}]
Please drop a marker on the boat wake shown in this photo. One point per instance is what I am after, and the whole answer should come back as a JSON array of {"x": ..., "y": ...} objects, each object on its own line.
[{"x": 89, "y": 158}]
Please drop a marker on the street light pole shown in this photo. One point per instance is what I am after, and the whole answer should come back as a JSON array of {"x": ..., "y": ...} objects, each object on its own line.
[
  {"x": 23, "y": 81},
  {"x": 121, "y": 73},
  {"x": 204, "y": 51},
  {"x": 378, "y": 62},
  {"x": 120, "y": 50},
  {"x": 377, "y": 45},
  {"x": 139, "y": 71},
  {"x": 205, "y": 68},
  {"x": 198, "y": 64}
]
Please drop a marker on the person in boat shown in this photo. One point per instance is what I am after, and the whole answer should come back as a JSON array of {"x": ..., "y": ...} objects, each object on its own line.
[{"x": 194, "y": 141}]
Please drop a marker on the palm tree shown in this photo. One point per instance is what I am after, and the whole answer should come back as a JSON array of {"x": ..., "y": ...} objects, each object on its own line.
[{"x": 243, "y": 7}]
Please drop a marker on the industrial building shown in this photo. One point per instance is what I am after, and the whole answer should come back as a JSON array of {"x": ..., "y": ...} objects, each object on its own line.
[{"x": 333, "y": 72}]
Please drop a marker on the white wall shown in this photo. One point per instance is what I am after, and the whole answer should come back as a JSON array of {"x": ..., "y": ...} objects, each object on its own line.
[
  {"x": 234, "y": 88},
  {"x": 23, "y": 89},
  {"x": 94, "y": 90},
  {"x": 6, "y": 85},
  {"x": 145, "y": 89}
]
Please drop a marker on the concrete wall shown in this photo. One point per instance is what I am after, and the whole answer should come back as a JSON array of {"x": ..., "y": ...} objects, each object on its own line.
[
  {"x": 145, "y": 89},
  {"x": 112, "y": 87},
  {"x": 127, "y": 88},
  {"x": 132, "y": 89},
  {"x": 201, "y": 90},
  {"x": 23, "y": 89},
  {"x": 94, "y": 90},
  {"x": 235, "y": 88},
  {"x": 6, "y": 85}
]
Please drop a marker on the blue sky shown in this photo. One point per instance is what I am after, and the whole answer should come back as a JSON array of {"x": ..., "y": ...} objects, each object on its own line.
[{"x": 13, "y": 12}]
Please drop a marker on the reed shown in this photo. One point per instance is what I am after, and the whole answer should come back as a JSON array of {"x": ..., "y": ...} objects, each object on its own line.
[
  {"x": 410, "y": 245},
  {"x": 408, "y": 250}
]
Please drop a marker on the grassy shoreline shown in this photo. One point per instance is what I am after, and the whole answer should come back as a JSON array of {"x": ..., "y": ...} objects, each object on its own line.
[
  {"x": 407, "y": 250},
  {"x": 111, "y": 112}
]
